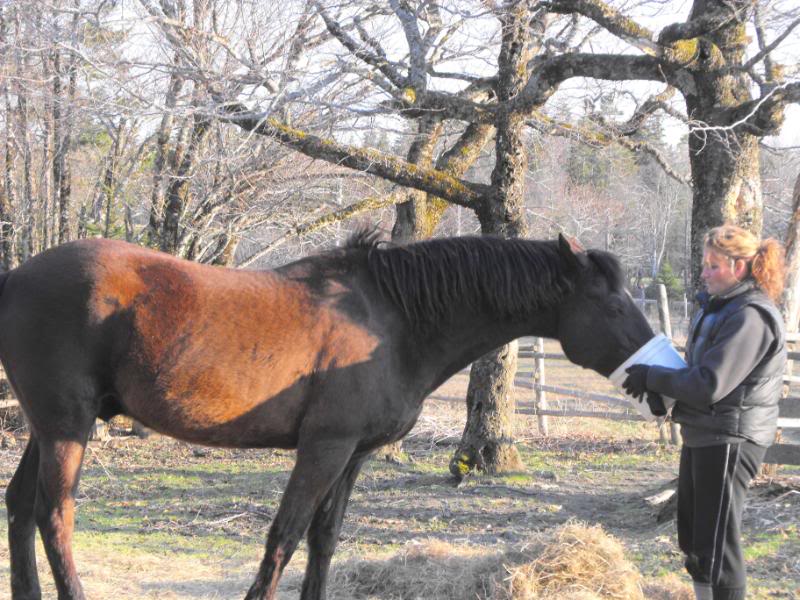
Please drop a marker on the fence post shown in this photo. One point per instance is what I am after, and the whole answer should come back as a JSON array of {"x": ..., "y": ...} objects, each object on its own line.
[
  {"x": 538, "y": 378},
  {"x": 666, "y": 328},
  {"x": 685, "y": 308}
]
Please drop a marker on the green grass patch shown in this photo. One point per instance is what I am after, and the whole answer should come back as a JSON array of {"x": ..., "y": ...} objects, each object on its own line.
[{"x": 769, "y": 545}]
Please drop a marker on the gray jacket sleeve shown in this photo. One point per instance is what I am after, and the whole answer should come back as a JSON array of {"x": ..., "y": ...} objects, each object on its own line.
[{"x": 743, "y": 340}]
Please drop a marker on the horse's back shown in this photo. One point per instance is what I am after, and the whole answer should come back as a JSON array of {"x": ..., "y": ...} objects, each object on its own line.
[{"x": 70, "y": 291}]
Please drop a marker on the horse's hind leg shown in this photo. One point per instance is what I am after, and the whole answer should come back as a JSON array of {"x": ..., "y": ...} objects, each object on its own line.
[
  {"x": 20, "y": 498},
  {"x": 319, "y": 464},
  {"x": 59, "y": 471},
  {"x": 323, "y": 534}
]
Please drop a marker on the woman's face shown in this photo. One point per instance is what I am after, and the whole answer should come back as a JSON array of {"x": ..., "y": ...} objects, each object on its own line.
[{"x": 720, "y": 272}]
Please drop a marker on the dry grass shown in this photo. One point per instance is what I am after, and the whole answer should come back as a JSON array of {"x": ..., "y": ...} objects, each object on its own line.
[
  {"x": 580, "y": 562},
  {"x": 427, "y": 569},
  {"x": 577, "y": 561}
]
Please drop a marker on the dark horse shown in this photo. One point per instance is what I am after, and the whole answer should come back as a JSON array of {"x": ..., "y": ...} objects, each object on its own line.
[{"x": 332, "y": 355}]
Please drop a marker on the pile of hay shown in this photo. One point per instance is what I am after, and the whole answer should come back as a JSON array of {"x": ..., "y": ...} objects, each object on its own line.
[
  {"x": 581, "y": 562},
  {"x": 578, "y": 562},
  {"x": 430, "y": 569}
]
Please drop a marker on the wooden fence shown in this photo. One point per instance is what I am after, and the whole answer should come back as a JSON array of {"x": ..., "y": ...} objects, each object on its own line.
[{"x": 786, "y": 451}]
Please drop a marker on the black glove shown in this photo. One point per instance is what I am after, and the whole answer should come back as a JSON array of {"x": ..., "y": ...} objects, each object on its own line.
[
  {"x": 636, "y": 383},
  {"x": 656, "y": 404}
]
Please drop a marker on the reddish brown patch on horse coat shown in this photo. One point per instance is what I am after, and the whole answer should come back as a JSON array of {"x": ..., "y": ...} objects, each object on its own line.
[{"x": 206, "y": 348}]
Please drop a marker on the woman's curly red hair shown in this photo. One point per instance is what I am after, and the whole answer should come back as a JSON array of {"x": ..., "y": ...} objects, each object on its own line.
[{"x": 765, "y": 258}]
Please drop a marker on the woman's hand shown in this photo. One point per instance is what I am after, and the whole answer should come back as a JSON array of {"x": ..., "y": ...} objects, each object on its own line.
[{"x": 635, "y": 383}]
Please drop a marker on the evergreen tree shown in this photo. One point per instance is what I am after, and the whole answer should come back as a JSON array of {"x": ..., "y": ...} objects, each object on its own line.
[{"x": 670, "y": 280}]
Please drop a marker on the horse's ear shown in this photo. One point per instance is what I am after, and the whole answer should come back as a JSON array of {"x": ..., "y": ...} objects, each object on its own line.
[{"x": 572, "y": 251}]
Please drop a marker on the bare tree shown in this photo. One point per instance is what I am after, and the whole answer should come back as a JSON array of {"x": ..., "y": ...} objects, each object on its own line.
[{"x": 704, "y": 58}]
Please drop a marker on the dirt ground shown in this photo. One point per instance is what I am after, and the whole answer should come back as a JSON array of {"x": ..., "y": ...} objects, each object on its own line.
[{"x": 163, "y": 519}]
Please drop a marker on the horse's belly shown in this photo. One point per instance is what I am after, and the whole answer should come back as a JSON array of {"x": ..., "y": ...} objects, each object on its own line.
[{"x": 224, "y": 415}]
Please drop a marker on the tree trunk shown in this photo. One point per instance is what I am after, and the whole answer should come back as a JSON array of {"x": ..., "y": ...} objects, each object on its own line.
[
  {"x": 109, "y": 184},
  {"x": 225, "y": 253},
  {"x": 7, "y": 191},
  {"x": 26, "y": 218},
  {"x": 488, "y": 441},
  {"x": 45, "y": 194},
  {"x": 161, "y": 159},
  {"x": 179, "y": 188},
  {"x": 27, "y": 210},
  {"x": 724, "y": 161},
  {"x": 413, "y": 223},
  {"x": 791, "y": 294},
  {"x": 727, "y": 188},
  {"x": 62, "y": 139},
  {"x": 417, "y": 218},
  {"x": 58, "y": 137}
]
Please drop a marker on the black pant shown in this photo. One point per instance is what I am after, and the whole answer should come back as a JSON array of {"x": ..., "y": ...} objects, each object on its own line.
[{"x": 712, "y": 486}]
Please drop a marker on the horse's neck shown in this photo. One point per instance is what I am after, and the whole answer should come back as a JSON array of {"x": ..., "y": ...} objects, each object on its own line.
[{"x": 471, "y": 336}]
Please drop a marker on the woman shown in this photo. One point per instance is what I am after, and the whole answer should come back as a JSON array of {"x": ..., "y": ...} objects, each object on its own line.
[{"x": 726, "y": 402}]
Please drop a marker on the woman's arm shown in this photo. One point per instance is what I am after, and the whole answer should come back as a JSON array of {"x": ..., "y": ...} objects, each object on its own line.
[{"x": 740, "y": 344}]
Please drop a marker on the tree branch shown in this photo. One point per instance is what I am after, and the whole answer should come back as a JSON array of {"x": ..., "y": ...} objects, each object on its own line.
[
  {"x": 337, "y": 216},
  {"x": 553, "y": 71},
  {"x": 762, "y": 116},
  {"x": 409, "y": 93},
  {"x": 416, "y": 49},
  {"x": 450, "y": 106},
  {"x": 610, "y": 19},
  {"x": 431, "y": 181},
  {"x": 379, "y": 61},
  {"x": 761, "y": 36},
  {"x": 651, "y": 105},
  {"x": 710, "y": 21},
  {"x": 606, "y": 138},
  {"x": 658, "y": 156},
  {"x": 765, "y": 50},
  {"x": 466, "y": 150}
]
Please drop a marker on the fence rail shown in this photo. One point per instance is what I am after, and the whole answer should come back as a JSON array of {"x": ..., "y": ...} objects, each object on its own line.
[{"x": 789, "y": 406}]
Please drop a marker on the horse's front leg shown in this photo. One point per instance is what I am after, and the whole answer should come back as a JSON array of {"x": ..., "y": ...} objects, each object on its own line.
[
  {"x": 319, "y": 464},
  {"x": 323, "y": 534},
  {"x": 20, "y": 499}
]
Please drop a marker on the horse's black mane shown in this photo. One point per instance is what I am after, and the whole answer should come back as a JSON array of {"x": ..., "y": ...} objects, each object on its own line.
[
  {"x": 364, "y": 237},
  {"x": 427, "y": 279},
  {"x": 506, "y": 276}
]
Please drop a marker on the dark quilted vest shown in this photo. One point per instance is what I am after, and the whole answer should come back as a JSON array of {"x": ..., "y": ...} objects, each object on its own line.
[{"x": 750, "y": 411}]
